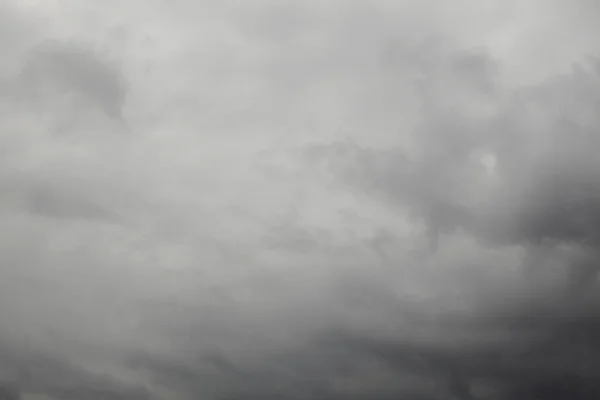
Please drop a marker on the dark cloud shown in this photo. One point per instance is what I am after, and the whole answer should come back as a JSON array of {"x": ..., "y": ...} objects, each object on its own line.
[
  {"x": 422, "y": 223},
  {"x": 26, "y": 372},
  {"x": 541, "y": 195},
  {"x": 541, "y": 139},
  {"x": 547, "y": 351},
  {"x": 550, "y": 352}
]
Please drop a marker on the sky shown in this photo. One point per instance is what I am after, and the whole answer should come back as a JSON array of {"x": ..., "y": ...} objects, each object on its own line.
[{"x": 325, "y": 200}]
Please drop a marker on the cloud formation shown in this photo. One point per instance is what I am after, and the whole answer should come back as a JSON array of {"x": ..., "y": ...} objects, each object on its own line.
[{"x": 299, "y": 200}]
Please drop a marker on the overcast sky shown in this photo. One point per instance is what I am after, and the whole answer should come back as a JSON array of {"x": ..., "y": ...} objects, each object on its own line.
[{"x": 300, "y": 199}]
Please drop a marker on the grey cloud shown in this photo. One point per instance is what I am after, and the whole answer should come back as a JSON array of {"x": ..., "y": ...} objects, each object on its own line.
[
  {"x": 547, "y": 351},
  {"x": 542, "y": 194},
  {"x": 57, "y": 205},
  {"x": 73, "y": 68},
  {"x": 544, "y": 165},
  {"x": 311, "y": 281},
  {"x": 28, "y": 373},
  {"x": 557, "y": 123},
  {"x": 54, "y": 203},
  {"x": 549, "y": 363}
]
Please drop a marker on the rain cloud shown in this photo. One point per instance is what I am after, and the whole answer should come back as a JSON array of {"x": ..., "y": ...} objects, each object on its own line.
[{"x": 299, "y": 200}]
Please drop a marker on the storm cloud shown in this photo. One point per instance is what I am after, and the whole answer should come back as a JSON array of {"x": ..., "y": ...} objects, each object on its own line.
[{"x": 299, "y": 200}]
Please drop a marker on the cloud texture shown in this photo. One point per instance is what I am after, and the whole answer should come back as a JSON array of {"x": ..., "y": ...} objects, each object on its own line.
[{"x": 299, "y": 200}]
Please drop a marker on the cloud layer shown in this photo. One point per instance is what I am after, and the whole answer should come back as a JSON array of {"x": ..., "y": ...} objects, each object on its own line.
[{"x": 299, "y": 200}]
